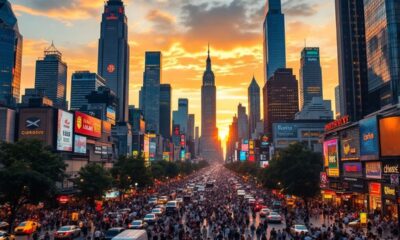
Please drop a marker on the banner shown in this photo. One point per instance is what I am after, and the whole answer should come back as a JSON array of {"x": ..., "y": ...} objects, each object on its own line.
[
  {"x": 64, "y": 131},
  {"x": 87, "y": 125}
]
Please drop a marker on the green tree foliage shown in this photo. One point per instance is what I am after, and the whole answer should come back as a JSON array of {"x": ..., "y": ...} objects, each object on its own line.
[{"x": 28, "y": 174}]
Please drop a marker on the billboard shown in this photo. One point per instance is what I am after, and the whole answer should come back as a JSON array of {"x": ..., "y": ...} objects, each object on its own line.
[
  {"x": 37, "y": 123},
  {"x": 245, "y": 145},
  {"x": 64, "y": 131},
  {"x": 286, "y": 130},
  {"x": 369, "y": 143},
  {"x": 80, "y": 144},
  {"x": 243, "y": 156},
  {"x": 264, "y": 164},
  {"x": 352, "y": 169},
  {"x": 110, "y": 115},
  {"x": 331, "y": 157},
  {"x": 389, "y": 136},
  {"x": 350, "y": 144},
  {"x": 373, "y": 170},
  {"x": 87, "y": 125}
]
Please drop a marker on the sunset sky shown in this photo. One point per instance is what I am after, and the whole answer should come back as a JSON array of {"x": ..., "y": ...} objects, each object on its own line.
[{"x": 181, "y": 29}]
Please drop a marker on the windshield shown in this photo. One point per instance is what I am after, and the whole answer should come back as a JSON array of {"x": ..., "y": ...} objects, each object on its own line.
[
  {"x": 300, "y": 227},
  {"x": 23, "y": 224},
  {"x": 64, "y": 228}
]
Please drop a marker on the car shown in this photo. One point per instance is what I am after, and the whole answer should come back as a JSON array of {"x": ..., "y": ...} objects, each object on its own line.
[
  {"x": 162, "y": 200},
  {"x": 67, "y": 232},
  {"x": 157, "y": 211},
  {"x": 298, "y": 229},
  {"x": 257, "y": 207},
  {"x": 138, "y": 224},
  {"x": 247, "y": 196},
  {"x": 132, "y": 234},
  {"x": 274, "y": 217},
  {"x": 112, "y": 232},
  {"x": 4, "y": 226},
  {"x": 241, "y": 192},
  {"x": 179, "y": 200},
  {"x": 6, "y": 236},
  {"x": 162, "y": 206},
  {"x": 355, "y": 224},
  {"x": 153, "y": 200},
  {"x": 264, "y": 212},
  {"x": 251, "y": 201},
  {"x": 150, "y": 218},
  {"x": 26, "y": 227}
]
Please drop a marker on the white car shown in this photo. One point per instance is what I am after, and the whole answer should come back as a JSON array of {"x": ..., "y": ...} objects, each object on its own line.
[
  {"x": 150, "y": 218},
  {"x": 153, "y": 200},
  {"x": 157, "y": 211},
  {"x": 240, "y": 192},
  {"x": 251, "y": 201},
  {"x": 274, "y": 217},
  {"x": 264, "y": 212},
  {"x": 298, "y": 229}
]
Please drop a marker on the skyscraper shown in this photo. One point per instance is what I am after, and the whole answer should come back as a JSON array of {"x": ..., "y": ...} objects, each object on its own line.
[
  {"x": 243, "y": 123},
  {"x": 181, "y": 116},
  {"x": 281, "y": 99},
  {"x": 310, "y": 76},
  {"x": 113, "y": 59},
  {"x": 382, "y": 18},
  {"x": 10, "y": 56},
  {"x": 254, "y": 105},
  {"x": 165, "y": 110},
  {"x": 191, "y": 124},
  {"x": 51, "y": 76},
  {"x": 210, "y": 148},
  {"x": 338, "y": 102},
  {"x": 150, "y": 92},
  {"x": 352, "y": 58},
  {"x": 82, "y": 84},
  {"x": 274, "y": 38}
]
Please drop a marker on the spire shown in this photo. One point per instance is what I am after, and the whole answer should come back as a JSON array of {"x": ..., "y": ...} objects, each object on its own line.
[
  {"x": 254, "y": 84},
  {"x": 208, "y": 58}
]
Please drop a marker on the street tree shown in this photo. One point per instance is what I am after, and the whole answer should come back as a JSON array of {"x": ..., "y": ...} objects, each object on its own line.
[{"x": 28, "y": 174}]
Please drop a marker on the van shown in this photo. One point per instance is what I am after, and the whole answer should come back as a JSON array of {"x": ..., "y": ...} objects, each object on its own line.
[{"x": 131, "y": 235}]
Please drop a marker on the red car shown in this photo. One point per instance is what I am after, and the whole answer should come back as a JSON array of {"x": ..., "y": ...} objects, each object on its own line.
[{"x": 257, "y": 207}]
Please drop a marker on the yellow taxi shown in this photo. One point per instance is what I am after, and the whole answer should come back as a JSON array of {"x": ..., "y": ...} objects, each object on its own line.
[{"x": 26, "y": 227}]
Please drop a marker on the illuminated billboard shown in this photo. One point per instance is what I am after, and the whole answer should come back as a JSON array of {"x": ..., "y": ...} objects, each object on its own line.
[
  {"x": 64, "y": 131},
  {"x": 350, "y": 144},
  {"x": 37, "y": 123},
  {"x": 331, "y": 157},
  {"x": 110, "y": 115},
  {"x": 87, "y": 125},
  {"x": 389, "y": 137},
  {"x": 80, "y": 144},
  {"x": 243, "y": 156},
  {"x": 369, "y": 143}
]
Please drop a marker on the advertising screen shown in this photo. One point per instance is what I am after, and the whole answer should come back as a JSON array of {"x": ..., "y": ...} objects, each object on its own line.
[
  {"x": 349, "y": 144},
  {"x": 64, "y": 131},
  {"x": 369, "y": 144},
  {"x": 243, "y": 156},
  {"x": 286, "y": 130},
  {"x": 264, "y": 164},
  {"x": 352, "y": 169},
  {"x": 80, "y": 144},
  {"x": 146, "y": 147},
  {"x": 110, "y": 115},
  {"x": 373, "y": 170},
  {"x": 389, "y": 136},
  {"x": 87, "y": 125},
  {"x": 331, "y": 157},
  {"x": 37, "y": 123}
]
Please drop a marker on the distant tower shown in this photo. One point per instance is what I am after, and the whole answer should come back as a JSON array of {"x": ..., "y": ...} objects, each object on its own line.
[
  {"x": 210, "y": 148},
  {"x": 274, "y": 38},
  {"x": 254, "y": 105},
  {"x": 51, "y": 76},
  {"x": 243, "y": 123},
  {"x": 10, "y": 56},
  {"x": 83, "y": 83},
  {"x": 165, "y": 110},
  {"x": 113, "y": 59}
]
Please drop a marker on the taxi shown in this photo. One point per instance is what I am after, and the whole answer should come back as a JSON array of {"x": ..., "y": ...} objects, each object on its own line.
[{"x": 26, "y": 227}]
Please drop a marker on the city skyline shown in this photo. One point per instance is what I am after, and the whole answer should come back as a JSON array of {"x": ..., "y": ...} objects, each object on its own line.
[{"x": 161, "y": 27}]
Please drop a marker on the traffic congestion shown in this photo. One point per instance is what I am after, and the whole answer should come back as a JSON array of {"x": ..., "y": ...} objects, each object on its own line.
[{"x": 213, "y": 203}]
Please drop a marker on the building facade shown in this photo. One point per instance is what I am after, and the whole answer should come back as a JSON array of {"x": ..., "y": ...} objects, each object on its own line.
[
  {"x": 243, "y": 122},
  {"x": 317, "y": 109},
  {"x": 253, "y": 96},
  {"x": 310, "y": 84},
  {"x": 181, "y": 116},
  {"x": 51, "y": 76},
  {"x": 274, "y": 38},
  {"x": 83, "y": 83},
  {"x": 7, "y": 124},
  {"x": 165, "y": 110},
  {"x": 352, "y": 58},
  {"x": 10, "y": 56},
  {"x": 113, "y": 56},
  {"x": 281, "y": 99}
]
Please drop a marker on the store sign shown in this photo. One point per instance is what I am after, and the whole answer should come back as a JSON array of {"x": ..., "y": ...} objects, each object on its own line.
[
  {"x": 389, "y": 133},
  {"x": 369, "y": 143},
  {"x": 331, "y": 157},
  {"x": 311, "y": 134},
  {"x": 264, "y": 141},
  {"x": 37, "y": 123},
  {"x": 337, "y": 123},
  {"x": 350, "y": 144},
  {"x": 391, "y": 168},
  {"x": 97, "y": 149},
  {"x": 324, "y": 180},
  {"x": 373, "y": 170},
  {"x": 87, "y": 125},
  {"x": 286, "y": 130},
  {"x": 375, "y": 189},
  {"x": 352, "y": 169},
  {"x": 80, "y": 144},
  {"x": 64, "y": 131},
  {"x": 389, "y": 191}
]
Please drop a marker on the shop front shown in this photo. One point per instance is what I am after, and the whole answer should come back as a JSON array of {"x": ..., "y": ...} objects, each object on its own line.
[
  {"x": 390, "y": 207},
  {"x": 375, "y": 197},
  {"x": 357, "y": 199}
]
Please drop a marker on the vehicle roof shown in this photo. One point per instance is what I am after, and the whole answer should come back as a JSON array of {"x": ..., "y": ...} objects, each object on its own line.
[{"x": 129, "y": 235}]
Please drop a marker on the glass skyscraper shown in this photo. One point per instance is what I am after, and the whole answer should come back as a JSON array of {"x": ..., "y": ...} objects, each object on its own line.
[
  {"x": 382, "y": 33},
  {"x": 274, "y": 38},
  {"x": 310, "y": 76},
  {"x": 82, "y": 84},
  {"x": 165, "y": 110},
  {"x": 150, "y": 92},
  {"x": 51, "y": 77},
  {"x": 10, "y": 56},
  {"x": 113, "y": 59},
  {"x": 181, "y": 116}
]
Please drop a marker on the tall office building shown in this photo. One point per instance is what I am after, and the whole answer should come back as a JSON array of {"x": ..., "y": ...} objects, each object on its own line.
[
  {"x": 310, "y": 76},
  {"x": 10, "y": 56},
  {"x": 150, "y": 92},
  {"x": 382, "y": 18},
  {"x": 82, "y": 84},
  {"x": 338, "y": 102},
  {"x": 254, "y": 105},
  {"x": 352, "y": 58},
  {"x": 165, "y": 110},
  {"x": 243, "y": 122},
  {"x": 274, "y": 38},
  {"x": 113, "y": 59},
  {"x": 281, "y": 98},
  {"x": 190, "y": 126},
  {"x": 181, "y": 116},
  {"x": 51, "y": 76},
  {"x": 210, "y": 147}
]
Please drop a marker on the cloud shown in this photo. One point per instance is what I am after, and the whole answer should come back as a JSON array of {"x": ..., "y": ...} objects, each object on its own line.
[{"x": 300, "y": 8}]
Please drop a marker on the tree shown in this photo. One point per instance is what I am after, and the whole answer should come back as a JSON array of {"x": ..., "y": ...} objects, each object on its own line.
[
  {"x": 28, "y": 175},
  {"x": 93, "y": 182},
  {"x": 122, "y": 172}
]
